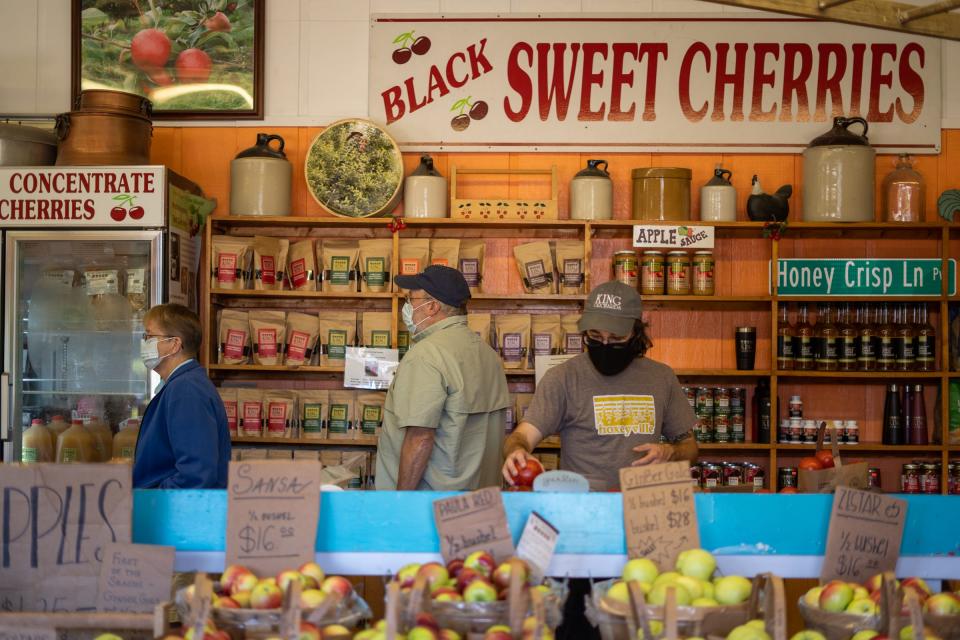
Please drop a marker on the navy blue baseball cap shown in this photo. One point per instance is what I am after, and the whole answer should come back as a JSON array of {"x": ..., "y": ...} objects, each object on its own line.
[{"x": 443, "y": 283}]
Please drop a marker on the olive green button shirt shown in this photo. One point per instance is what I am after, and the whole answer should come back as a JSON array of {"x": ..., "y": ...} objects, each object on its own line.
[{"x": 451, "y": 381}]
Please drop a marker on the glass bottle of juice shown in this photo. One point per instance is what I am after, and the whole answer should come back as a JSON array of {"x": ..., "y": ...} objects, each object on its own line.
[
  {"x": 848, "y": 340},
  {"x": 57, "y": 425},
  {"x": 785, "y": 355},
  {"x": 125, "y": 442},
  {"x": 926, "y": 341},
  {"x": 829, "y": 339},
  {"x": 102, "y": 438},
  {"x": 75, "y": 444},
  {"x": 886, "y": 354},
  {"x": 903, "y": 341},
  {"x": 803, "y": 345},
  {"x": 867, "y": 339},
  {"x": 37, "y": 443}
]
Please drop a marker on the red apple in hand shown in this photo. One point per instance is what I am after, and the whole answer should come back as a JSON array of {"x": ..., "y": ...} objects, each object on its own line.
[{"x": 528, "y": 473}]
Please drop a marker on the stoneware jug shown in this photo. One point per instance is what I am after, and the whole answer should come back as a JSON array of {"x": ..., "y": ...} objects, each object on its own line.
[
  {"x": 838, "y": 175},
  {"x": 425, "y": 192},
  {"x": 718, "y": 197},
  {"x": 260, "y": 179},
  {"x": 591, "y": 193}
]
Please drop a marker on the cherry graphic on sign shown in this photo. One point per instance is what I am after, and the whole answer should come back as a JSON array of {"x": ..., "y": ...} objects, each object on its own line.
[
  {"x": 418, "y": 46},
  {"x": 477, "y": 111},
  {"x": 125, "y": 200}
]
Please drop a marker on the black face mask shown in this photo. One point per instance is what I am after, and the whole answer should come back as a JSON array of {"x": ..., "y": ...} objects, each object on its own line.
[{"x": 611, "y": 359}]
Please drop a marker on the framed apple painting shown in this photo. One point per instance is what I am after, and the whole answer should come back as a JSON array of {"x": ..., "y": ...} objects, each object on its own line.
[{"x": 192, "y": 58}]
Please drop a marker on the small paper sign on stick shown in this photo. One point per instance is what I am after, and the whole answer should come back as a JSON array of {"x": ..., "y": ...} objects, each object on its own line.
[
  {"x": 272, "y": 511},
  {"x": 537, "y": 543},
  {"x": 864, "y": 538},
  {"x": 134, "y": 578},
  {"x": 659, "y": 513},
  {"x": 471, "y": 522}
]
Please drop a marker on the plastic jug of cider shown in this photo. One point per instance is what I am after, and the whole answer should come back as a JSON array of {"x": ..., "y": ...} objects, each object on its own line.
[
  {"x": 56, "y": 426},
  {"x": 75, "y": 444},
  {"x": 102, "y": 438},
  {"x": 125, "y": 442},
  {"x": 37, "y": 444}
]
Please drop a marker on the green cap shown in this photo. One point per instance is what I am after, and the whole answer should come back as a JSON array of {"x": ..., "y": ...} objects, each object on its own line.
[{"x": 612, "y": 306}]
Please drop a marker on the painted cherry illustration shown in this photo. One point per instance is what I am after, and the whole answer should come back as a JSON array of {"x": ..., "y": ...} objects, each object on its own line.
[
  {"x": 418, "y": 46},
  {"x": 125, "y": 200},
  {"x": 477, "y": 111}
]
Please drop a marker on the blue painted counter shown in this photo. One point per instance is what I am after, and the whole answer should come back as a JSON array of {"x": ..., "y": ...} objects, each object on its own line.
[{"x": 361, "y": 532}]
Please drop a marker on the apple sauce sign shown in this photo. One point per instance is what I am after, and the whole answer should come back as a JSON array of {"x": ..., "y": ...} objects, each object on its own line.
[{"x": 649, "y": 82}]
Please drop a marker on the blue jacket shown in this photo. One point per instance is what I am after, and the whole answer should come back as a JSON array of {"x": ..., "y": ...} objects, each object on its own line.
[{"x": 184, "y": 441}]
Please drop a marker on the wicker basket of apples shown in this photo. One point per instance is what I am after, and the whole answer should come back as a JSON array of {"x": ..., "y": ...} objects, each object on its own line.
[
  {"x": 244, "y": 602},
  {"x": 840, "y": 610},
  {"x": 474, "y": 594},
  {"x": 704, "y": 603},
  {"x": 941, "y": 613}
]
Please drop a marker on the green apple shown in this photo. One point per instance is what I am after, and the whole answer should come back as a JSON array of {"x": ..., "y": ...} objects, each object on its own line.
[
  {"x": 704, "y": 602},
  {"x": 758, "y": 623},
  {"x": 863, "y": 607},
  {"x": 656, "y": 628},
  {"x": 641, "y": 570},
  {"x": 745, "y": 632},
  {"x": 808, "y": 635},
  {"x": 866, "y": 634},
  {"x": 836, "y": 596},
  {"x": 658, "y": 596},
  {"x": 907, "y": 633},
  {"x": 692, "y": 585},
  {"x": 942, "y": 604},
  {"x": 860, "y": 593},
  {"x": 732, "y": 590},
  {"x": 708, "y": 588},
  {"x": 812, "y": 597},
  {"x": 696, "y": 563},
  {"x": 666, "y": 576},
  {"x": 619, "y": 592}
]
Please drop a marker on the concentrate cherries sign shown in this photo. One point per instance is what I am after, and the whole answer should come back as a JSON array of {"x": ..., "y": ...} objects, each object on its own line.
[
  {"x": 659, "y": 514},
  {"x": 272, "y": 513}
]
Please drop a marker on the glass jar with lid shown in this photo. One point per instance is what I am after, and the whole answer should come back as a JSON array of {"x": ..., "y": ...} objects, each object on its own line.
[{"x": 903, "y": 192}]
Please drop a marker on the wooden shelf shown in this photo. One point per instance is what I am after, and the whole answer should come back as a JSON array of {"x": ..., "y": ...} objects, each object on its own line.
[
  {"x": 519, "y": 372},
  {"x": 344, "y": 295},
  {"x": 732, "y": 446},
  {"x": 855, "y": 299},
  {"x": 860, "y": 375},
  {"x": 871, "y": 447},
  {"x": 297, "y": 221},
  {"x": 721, "y": 373},
  {"x": 278, "y": 368},
  {"x": 440, "y": 223},
  {"x": 506, "y": 297},
  {"x": 327, "y": 442},
  {"x": 629, "y": 223}
]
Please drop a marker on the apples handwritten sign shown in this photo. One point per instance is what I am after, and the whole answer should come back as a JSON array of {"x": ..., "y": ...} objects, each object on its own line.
[
  {"x": 472, "y": 522},
  {"x": 659, "y": 514},
  {"x": 135, "y": 578},
  {"x": 57, "y": 521},
  {"x": 272, "y": 511},
  {"x": 537, "y": 543},
  {"x": 864, "y": 538}
]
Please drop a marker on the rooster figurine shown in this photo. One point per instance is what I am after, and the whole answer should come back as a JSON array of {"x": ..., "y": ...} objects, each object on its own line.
[{"x": 763, "y": 207}]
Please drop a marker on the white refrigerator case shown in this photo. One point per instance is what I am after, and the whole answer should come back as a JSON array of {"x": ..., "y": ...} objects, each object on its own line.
[{"x": 87, "y": 250}]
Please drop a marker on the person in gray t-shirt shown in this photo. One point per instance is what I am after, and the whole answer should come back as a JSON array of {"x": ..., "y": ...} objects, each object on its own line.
[{"x": 610, "y": 405}]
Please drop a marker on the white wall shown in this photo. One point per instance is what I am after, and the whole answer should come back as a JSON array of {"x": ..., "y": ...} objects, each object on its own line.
[{"x": 316, "y": 58}]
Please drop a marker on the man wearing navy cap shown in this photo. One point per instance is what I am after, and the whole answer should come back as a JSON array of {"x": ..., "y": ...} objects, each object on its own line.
[{"x": 443, "y": 420}]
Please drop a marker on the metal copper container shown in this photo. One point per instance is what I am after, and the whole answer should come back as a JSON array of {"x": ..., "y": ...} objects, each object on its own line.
[
  {"x": 107, "y": 100},
  {"x": 103, "y": 138}
]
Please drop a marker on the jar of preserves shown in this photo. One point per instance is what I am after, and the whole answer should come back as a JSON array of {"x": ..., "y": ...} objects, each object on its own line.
[
  {"x": 703, "y": 273},
  {"x": 678, "y": 273},
  {"x": 704, "y": 427},
  {"x": 711, "y": 474},
  {"x": 796, "y": 430},
  {"x": 851, "y": 432},
  {"x": 796, "y": 407},
  {"x": 787, "y": 477},
  {"x": 783, "y": 434},
  {"x": 953, "y": 480},
  {"x": 753, "y": 475},
  {"x": 652, "y": 278},
  {"x": 873, "y": 478},
  {"x": 691, "y": 394},
  {"x": 910, "y": 478},
  {"x": 737, "y": 428},
  {"x": 732, "y": 474},
  {"x": 704, "y": 400},
  {"x": 695, "y": 473},
  {"x": 810, "y": 429},
  {"x": 930, "y": 478},
  {"x": 721, "y": 401},
  {"x": 721, "y": 428},
  {"x": 626, "y": 268},
  {"x": 738, "y": 400}
]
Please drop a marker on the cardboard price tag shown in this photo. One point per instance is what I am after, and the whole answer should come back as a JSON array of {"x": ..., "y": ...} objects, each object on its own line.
[
  {"x": 272, "y": 512},
  {"x": 537, "y": 543},
  {"x": 134, "y": 578},
  {"x": 58, "y": 519},
  {"x": 864, "y": 537},
  {"x": 659, "y": 513},
  {"x": 472, "y": 522}
]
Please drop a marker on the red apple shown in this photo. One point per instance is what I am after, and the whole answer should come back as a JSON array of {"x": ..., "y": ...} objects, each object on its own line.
[
  {"x": 424, "y": 619},
  {"x": 226, "y": 602},
  {"x": 242, "y": 598},
  {"x": 312, "y": 598},
  {"x": 875, "y": 583},
  {"x": 919, "y": 585},
  {"x": 193, "y": 65},
  {"x": 446, "y": 594},
  {"x": 479, "y": 591},
  {"x": 336, "y": 632},
  {"x": 150, "y": 48},
  {"x": 309, "y": 632},
  {"x": 230, "y": 575},
  {"x": 528, "y": 473},
  {"x": 810, "y": 463},
  {"x": 943, "y": 604},
  {"x": 313, "y": 570},
  {"x": 337, "y": 585},
  {"x": 825, "y": 456},
  {"x": 219, "y": 22},
  {"x": 501, "y": 575},
  {"x": 266, "y": 595},
  {"x": 407, "y": 574},
  {"x": 454, "y": 567},
  {"x": 423, "y": 633},
  {"x": 284, "y": 578},
  {"x": 435, "y": 574},
  {"x": 465, "y": 577},
  {"x": 481, "y": 562}
]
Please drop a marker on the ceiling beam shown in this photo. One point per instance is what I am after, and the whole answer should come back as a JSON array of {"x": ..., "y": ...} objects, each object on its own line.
[
  {"x": 928, "y": 10},
  {"x": 880, "y": 14}
]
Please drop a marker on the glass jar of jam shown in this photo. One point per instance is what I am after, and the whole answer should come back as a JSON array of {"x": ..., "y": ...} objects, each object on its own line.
[
  {"x": 738, "y": 400},
  {"x": 704, "y": 427},
  {"x": 652, "y": 273},
  {"x": 810, "y": 431},
  {"x": 851, "y": 432},
  {"x": 703, "y": 279},
  {"x": 930, "y": 478},
  {"x": 678, "y": 273},
  {"x": 626, "y": 267},
  {"x": 695, "y": 473},
  {"x": 691, "y": 396},
  {"x": 910, "y": 478},
  {"x": 796, "y": 430},
  {"x": 732, "y": 474},
  {"x": 721, "y": 401},
  {"x": 783, "y": 434},
  {"x": 753, "y": 475},
  {"x": 787, "y": 477},
  {"x": 704, "y": 400},
  {"x": 953, "y": 479},
  {"x": 737, "y": 428},
  {"x": 711, "y": 474},
  {"x": 721, "y": 428},
  {"x": 873, "y": 478}
]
